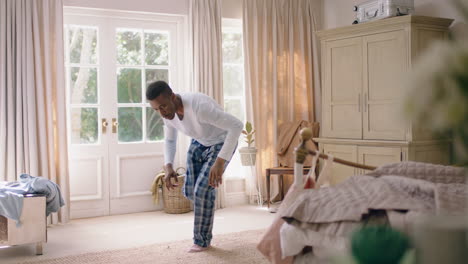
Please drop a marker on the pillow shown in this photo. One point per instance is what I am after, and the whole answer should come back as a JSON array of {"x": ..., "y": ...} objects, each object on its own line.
[
  {"x": 422, "y": 171},
  {"x": 270, "y": 245}
]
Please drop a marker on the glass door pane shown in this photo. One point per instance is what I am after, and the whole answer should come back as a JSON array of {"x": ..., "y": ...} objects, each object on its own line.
[
  {"x": 83, "y": 87},
  {"x": 82, "y": 44},
  {"x": 128, "y": 47},
  {"x": 84, "y": 125},
  {"x": 139, "y": 64},
  {"x": 130, "y": 124},
  {"x": 155, "y": 125},
  {"x": 129, "y": 85},
  {"x": 156, "y": 48}
]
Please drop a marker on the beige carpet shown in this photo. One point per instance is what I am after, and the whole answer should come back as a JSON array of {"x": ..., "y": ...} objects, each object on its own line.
[{"x": 228, "y": 248}]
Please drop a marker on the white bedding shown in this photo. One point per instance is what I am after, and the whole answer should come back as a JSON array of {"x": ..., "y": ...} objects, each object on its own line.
[
  {"x": 294, "y": 239},
  {"x": 416, "y": 188}
]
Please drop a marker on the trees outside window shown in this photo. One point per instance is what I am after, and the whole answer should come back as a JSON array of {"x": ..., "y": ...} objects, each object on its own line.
[{"x": 142, "y": 56}]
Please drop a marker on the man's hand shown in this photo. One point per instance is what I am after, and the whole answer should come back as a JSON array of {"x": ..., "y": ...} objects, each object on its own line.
[
  {"x": 216, "y": 173},
  {"x": 170, "y": 173}
]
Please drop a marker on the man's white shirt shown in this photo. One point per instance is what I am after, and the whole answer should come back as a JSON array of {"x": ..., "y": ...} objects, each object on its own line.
[{"x": 206, "y": 122}]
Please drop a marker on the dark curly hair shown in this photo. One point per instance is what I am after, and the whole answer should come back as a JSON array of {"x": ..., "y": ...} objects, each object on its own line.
[{"x": 157, "y": 88}]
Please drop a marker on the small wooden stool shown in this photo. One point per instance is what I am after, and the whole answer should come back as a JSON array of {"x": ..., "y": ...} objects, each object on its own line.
[{"x": 279, "y": 171}]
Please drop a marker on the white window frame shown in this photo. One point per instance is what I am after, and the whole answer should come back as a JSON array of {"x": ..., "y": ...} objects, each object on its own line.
[{"x": 235, "y": 26}]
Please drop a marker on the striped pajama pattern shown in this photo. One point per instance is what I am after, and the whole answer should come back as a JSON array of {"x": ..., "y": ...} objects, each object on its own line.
[{"x": 200, "y": 159}]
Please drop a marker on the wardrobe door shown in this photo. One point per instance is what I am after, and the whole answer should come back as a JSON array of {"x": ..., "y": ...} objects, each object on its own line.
[
  {"x": 342, "y": 86},
  {"x": 386, "y": 63},
  {"x": 436, "y": 153},
  {"x": 378, "y": 156},
  {"x": 346, "y": 152}
]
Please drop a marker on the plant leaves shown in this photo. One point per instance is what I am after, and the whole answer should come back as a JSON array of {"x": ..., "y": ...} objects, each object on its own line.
[{"x": 248, "y": 127}]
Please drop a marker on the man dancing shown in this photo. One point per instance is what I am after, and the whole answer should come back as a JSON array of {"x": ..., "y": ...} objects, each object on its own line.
[{"x": 214, "y": 136}]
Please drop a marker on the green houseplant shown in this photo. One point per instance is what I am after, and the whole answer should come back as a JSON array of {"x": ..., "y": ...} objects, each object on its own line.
[
  {"x": 438, "y": 98},
  {"x": 249, "y": 153}
]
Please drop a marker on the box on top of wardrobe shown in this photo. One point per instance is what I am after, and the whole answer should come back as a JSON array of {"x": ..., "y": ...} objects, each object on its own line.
[{"x": 409, "y": 22}]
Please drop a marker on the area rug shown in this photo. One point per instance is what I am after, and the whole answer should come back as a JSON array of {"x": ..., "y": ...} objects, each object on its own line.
[{"x": 227, "y": 248}]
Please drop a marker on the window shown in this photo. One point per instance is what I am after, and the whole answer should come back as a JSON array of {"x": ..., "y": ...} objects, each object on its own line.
[
  {"x": 82, "y": 67},
  {"x": 142, "y": 58},
  {"x": 108, "y": 69},
  {"x": 233, "y": 84},
  {"x": 233, "y": 69}
]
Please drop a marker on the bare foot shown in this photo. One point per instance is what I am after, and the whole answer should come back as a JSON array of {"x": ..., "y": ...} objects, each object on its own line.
[{"x": 196, "y": 248}]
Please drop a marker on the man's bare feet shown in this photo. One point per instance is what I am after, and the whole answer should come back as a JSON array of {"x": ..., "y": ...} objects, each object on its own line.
[{"x": 196, "y": 248}]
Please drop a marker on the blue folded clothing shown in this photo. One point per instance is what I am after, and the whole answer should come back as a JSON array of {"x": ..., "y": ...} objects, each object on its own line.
[{"x": 12, "y": 195}]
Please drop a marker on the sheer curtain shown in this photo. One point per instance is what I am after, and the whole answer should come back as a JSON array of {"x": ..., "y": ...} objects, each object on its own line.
[
  {"x": 33, "y": 135},
  {"x": 282, "y": 78},
  {"x": 206, "y": 56}
]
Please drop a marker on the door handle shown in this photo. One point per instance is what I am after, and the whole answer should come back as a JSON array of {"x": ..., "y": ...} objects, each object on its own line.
[
  {"x": 115, "y": 124},
  {"x": 104, "y": 125}
]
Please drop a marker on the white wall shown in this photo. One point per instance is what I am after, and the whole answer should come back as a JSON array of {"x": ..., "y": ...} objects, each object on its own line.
[
  {"x": 339, "y": 13},
  {"x": 230, "y": 8},
  {"x": 155, "y": 6}
]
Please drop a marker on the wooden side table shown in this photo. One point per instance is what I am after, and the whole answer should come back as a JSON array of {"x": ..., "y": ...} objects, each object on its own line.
[{"x": 279, "y": 171}]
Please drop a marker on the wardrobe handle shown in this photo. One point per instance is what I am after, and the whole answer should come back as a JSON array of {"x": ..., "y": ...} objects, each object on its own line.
[
  {"x": 359, "y": 102},
  {"x": 365, "y": 102}
]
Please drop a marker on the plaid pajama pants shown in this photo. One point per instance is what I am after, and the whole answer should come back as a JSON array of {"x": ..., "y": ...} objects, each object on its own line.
[{"x": 200, "y": 159}]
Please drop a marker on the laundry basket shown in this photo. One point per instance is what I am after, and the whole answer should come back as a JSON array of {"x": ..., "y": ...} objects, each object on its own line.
[
  {"x": 3, "y": 230},
  {"x": 174, "y": 200}
]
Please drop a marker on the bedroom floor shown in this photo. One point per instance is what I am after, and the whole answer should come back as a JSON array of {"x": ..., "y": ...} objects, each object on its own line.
[{"x": 133, "y": 230}]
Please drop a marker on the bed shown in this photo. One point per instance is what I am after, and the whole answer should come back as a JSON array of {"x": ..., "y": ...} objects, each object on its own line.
[{"x": 314, "y": 223}]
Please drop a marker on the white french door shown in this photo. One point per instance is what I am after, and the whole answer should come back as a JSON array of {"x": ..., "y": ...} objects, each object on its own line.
[{"x": 115, "y": 138}]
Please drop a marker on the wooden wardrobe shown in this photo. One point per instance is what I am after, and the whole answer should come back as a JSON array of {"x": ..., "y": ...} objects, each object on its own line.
[{"x": 364, "y": 70}]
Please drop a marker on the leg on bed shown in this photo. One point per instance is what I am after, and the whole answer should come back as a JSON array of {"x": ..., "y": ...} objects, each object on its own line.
[{"x": 39, "y": 248}]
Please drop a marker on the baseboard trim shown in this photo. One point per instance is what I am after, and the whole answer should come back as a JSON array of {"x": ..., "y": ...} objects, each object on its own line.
[{"x": 237, "y": 198}]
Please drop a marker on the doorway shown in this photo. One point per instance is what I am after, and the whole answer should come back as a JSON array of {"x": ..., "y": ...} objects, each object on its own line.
[{"x": 115, "y": 137}]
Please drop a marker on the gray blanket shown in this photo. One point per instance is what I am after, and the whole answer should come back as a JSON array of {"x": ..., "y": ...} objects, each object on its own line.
[
  {"x": 414, "y": 187},
  {"x": 11, "y": 195}
]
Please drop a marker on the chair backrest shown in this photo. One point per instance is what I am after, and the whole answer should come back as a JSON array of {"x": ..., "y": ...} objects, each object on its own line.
[{"x": 289, "y": 138}]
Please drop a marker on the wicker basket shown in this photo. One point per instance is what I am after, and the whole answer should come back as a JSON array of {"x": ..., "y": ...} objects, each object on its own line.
[
  {"x": 174, "y": 200},
  {"x": 3, "y": 230}
]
